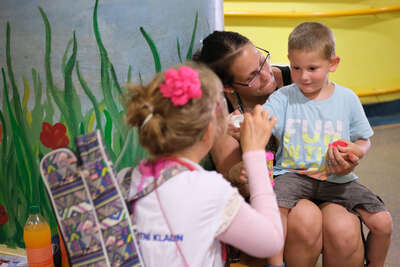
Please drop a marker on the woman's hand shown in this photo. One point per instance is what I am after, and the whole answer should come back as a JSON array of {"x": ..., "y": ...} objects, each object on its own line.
[
  {"x": 237, "y": 174},
  {"x": 238, "y": 178},
  {"x": 256, "y": 129}
]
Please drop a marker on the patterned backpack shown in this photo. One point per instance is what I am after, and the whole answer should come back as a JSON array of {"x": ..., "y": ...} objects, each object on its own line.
[{"x": 89, "y": 206}]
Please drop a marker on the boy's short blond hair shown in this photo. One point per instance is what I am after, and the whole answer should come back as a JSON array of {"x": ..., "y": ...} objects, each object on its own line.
[{"x": 312, "y": 36}]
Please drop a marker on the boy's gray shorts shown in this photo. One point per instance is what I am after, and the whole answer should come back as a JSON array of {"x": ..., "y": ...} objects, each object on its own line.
[{"x": 291, "y": 187}]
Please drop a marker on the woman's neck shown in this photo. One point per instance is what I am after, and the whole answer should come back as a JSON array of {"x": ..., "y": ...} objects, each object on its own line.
[
  {"x": 246, "y": 104},
  {"x": 249, "y": 103}
]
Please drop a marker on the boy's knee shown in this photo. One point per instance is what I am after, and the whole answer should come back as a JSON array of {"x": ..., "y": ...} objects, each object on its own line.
[
  {"x": 347, "y": 241},
  {"x": 306, "y": 229},
  {"x": 380, "y": 223}
]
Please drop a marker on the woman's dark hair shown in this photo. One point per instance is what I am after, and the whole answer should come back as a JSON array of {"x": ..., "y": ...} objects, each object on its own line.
[{"x": 219, "y": 51}]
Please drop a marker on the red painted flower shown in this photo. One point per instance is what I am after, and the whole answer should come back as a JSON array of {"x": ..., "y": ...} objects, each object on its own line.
[
  {"x": 3, "y": 215},
  {"x": 54, "y": 136}
]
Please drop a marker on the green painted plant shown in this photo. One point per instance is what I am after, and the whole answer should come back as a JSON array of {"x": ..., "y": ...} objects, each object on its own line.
[{"x": 27, "y": 135}]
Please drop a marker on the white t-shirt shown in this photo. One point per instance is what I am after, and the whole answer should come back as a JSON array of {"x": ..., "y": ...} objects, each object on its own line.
[{"x": 199, "y": 205}]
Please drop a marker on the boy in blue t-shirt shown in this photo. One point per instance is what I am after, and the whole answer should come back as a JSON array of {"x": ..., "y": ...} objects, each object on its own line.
[{"x": 312, "y": 113}]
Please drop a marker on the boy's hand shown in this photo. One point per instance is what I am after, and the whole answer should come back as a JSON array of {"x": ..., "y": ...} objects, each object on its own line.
[
  {"x": 357, "y": 148},
  {"x": 256, "y": 129},
  {"x": 340, "y": 157}
]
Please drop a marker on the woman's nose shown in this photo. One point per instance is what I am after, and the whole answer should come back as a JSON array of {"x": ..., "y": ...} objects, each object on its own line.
[{"x": 266, "y": 70}]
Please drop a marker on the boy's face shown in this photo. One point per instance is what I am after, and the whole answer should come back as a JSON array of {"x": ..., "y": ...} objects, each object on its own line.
[{"x": 310, "y": 71}]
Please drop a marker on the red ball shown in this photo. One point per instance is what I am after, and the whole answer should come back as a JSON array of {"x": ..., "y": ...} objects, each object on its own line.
[{"x": 339, "y": 143}]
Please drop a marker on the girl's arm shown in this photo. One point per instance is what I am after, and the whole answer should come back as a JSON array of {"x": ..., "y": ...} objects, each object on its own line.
[{"x": 257, "y": 229}]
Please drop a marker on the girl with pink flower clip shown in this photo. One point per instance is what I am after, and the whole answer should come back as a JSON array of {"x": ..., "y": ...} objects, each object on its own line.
[
  {"x": 181, "y": 85},
  {"x": 184, "y": 214}
]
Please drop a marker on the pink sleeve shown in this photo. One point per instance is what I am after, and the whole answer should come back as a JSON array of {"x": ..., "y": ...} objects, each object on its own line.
[{"x": 257, "y": 229}]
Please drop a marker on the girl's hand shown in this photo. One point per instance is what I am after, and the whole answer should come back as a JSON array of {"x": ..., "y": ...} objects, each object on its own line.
[{"x": 256, "y": 129}]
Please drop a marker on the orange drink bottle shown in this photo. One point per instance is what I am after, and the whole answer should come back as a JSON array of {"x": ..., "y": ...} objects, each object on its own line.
[
  {"x": 270, "y": 164},
  {"x": 37, "y": 237}
]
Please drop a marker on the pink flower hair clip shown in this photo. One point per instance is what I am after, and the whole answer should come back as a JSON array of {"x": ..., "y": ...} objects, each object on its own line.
[{"x": 181, "y": 85}]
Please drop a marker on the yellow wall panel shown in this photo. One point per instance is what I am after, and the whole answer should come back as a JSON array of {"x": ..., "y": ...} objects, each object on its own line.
[{"x": 369, "y": 45}]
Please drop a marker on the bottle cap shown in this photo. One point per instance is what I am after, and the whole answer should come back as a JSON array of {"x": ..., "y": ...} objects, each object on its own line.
[
  {"x": 236, "y": 120},
  {"x": 34, "y": 209}
]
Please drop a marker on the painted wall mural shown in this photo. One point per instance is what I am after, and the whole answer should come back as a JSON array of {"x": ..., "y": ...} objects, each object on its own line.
[{"x": 64, "y": 66}]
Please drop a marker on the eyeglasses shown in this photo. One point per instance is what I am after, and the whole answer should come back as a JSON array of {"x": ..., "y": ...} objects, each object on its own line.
[{"x": 264, "y": 58}]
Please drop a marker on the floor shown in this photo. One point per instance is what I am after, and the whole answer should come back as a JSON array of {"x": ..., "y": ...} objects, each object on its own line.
[{"x": 380, "y": 171}]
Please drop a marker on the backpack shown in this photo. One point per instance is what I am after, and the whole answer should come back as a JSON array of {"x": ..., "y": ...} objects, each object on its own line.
[{"x": 89, "y": 206}]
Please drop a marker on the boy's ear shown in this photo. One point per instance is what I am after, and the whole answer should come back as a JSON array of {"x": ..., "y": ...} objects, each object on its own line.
[{"x": 334, "y": 63}]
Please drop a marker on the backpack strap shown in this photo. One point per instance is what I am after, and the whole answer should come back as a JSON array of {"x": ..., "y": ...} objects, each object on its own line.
[
  {"x": 124, "y": 183},
  {"x": 165, "y": 175}
]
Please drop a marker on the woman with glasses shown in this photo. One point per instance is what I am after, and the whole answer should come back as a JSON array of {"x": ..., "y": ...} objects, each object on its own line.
[{"x": 248, "y": 80}]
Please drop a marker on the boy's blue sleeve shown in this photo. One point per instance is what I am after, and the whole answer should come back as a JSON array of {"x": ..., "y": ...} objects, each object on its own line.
[{"x": 359, "y": 124}]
